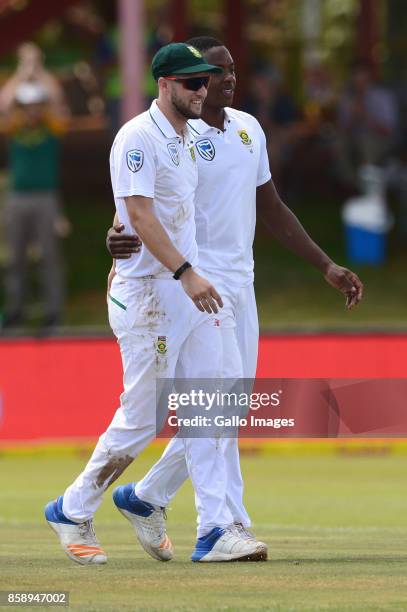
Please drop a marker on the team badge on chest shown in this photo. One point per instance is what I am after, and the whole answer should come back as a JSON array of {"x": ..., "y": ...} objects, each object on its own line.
[
  {"x": 192, "y": 152},
  {"x": 134, "y": 159},
  {"x": 245, "y": 138},
  {"x": 174, "y": 154},
  {"x": 206, "y": 149}
]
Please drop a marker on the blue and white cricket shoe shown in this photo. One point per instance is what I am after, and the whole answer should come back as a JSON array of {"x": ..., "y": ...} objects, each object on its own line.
[
  {"x": 227, "y": 545},
  {"x": 148, "y": 522},
  {"x": 78, "y": 540}
]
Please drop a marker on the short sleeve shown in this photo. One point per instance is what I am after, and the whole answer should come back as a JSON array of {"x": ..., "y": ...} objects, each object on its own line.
[
  {"x": 263, "y": 172},
  {"x": 133, "y": 165}
]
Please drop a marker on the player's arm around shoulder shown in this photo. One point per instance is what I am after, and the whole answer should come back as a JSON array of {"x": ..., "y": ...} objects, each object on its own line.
[
  {"x": 119, "y": 244},
  {"x": 152, "y": 233}
]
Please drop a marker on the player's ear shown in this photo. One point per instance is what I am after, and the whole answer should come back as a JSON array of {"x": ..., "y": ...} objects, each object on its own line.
[{"x": 163, "y": 84}]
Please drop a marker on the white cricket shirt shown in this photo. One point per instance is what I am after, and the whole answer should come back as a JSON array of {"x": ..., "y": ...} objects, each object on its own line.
[
  {"x": 231, "y": 165},
  {"x": 148, "y": 158}
]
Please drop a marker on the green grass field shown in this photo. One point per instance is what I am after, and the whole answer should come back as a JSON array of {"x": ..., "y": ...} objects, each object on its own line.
[{"x": 336, "y": 528}]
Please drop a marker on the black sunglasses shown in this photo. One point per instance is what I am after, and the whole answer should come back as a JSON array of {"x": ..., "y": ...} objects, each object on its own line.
[{"x": 192, "y": 84}]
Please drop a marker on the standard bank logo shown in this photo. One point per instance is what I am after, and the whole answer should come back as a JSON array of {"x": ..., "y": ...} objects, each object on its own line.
[
  {"x": 173, "y": 151},
  {"x": 135, "y": 159},
  {"x": 205, "y": 149}
]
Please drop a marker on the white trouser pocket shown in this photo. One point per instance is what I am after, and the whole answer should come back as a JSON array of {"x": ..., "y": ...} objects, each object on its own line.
[{"x": 135, "y": 304}]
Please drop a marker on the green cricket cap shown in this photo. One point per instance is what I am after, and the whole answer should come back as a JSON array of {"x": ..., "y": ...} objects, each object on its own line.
[{"x": 179, "y": 58}]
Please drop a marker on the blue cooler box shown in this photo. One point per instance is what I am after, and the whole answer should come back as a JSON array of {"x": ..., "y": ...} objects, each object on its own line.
[{"x": 364, "y": 246}]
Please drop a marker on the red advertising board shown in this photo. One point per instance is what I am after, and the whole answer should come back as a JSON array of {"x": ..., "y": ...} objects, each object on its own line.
[{"x": 69, "y": 388}]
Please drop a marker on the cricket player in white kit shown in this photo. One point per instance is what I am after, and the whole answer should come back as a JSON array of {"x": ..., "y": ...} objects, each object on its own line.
[
  {"x": 232, "y": 164},
  {"x": 159, "y": 322},
  {"x": 233, "y": 174}
]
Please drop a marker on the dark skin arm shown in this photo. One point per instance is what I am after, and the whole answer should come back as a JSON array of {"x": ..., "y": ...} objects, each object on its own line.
[
  {"x": 119, "y": 245},
  {"x": 287, "y": 229}
]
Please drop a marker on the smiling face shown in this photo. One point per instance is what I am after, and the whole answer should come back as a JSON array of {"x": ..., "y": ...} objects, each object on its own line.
[
  {"x": 221, "y": 86},
  {"x": 187, "y": 103}
]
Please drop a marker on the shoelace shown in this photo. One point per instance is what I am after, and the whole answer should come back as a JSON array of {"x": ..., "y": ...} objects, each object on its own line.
[
  {"x": 87, "y": 531},
  {"x": 155, "y": 523},
  {"x": 232, "y": 538},
  {"x": 160, "y": 516},
  {"x": 231, "y": 530},
  {"x": 243, "y": 532}
]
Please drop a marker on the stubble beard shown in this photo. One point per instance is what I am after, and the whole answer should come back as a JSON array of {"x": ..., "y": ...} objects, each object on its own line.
[{"x": 182, "y": 108}]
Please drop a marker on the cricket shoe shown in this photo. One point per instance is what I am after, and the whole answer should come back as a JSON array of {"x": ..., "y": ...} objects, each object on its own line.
[
  {"x": 244, "y": 533},
  {"x": 78, "y": 540},
  {"x": 148, "y": 522},
  {"x": 226, "y": 545}
]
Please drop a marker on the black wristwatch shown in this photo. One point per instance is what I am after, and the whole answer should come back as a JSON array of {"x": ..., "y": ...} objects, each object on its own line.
[{"x": 177, "y": 274}]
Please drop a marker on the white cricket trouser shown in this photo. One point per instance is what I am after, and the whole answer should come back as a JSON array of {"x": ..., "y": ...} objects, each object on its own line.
[
  {"x": 157, "y": 326},
  {"x": 240, "y": 338}
]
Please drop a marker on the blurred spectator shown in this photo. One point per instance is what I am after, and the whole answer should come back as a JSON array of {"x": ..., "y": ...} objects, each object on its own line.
[
  {"x": 30, "y": 68},
  {"x": 34, "y": 123},
  {"x": 107, "y": 59},
  {"x": 277, "y": 113},
  {"x": 318, "y": 87},
  {"x": 367, "y": 119},
  {"x": 397, "y": 168},
  {"x": 267, "y": 100},
  {"x": 397, "y": 183}
]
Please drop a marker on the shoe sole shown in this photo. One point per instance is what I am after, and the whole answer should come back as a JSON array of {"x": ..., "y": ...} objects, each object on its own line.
[
  {"x": 216, "y": 557},
  {"x": 149, "y": 550},
  {"x": 68, "y": 554},
  {"x": 259, "y": 555}
]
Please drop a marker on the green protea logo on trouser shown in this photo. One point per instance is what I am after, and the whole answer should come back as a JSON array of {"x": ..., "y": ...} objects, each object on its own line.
[{"x": 162, "y": 344}]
